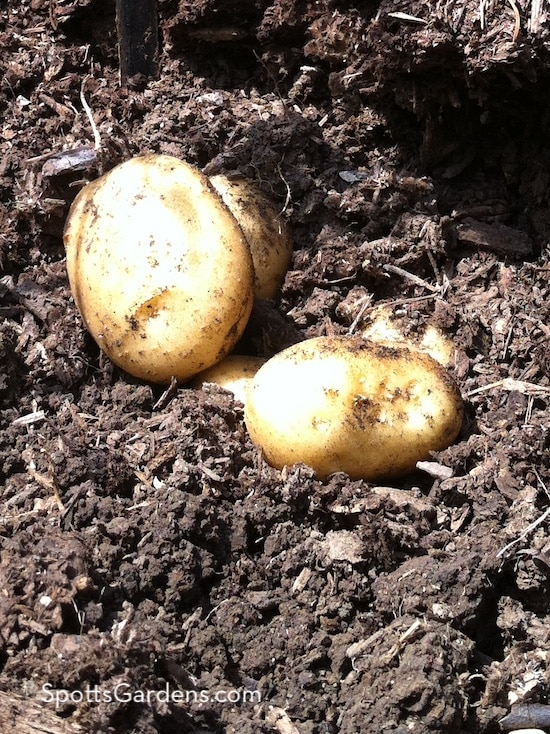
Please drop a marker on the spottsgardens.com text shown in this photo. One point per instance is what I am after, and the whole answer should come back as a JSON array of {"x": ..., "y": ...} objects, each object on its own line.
[{"x": 124, "y": 693}]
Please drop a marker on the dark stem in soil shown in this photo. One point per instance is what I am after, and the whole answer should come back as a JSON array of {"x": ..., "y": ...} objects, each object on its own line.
[{"x": 137, "y": 29}]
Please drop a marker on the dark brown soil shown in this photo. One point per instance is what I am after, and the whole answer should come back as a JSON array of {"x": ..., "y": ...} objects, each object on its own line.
[{"x": 144, "y": 540}]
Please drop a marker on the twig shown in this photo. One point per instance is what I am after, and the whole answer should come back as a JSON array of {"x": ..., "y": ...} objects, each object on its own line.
[
  {"x": 48, "y": 483},
  {"x": 515, "y": 10},
  {"x": 482, "y": 14},
  {"x": 407, "y": 18},
  {"x": 534, "y": 524},
  {"x": 357, "y": 319},
  {"x": 410, "y": 276},
  {"x": 526, "y": 532},
  {"x": 508, "y": 383},
  {"x": 278, "y": 719},
  {"x": 535, "y": 17},
  {"x": 526, "y": 715},
  {"x": 88, "y": 111},
  {"x": 542, "y": 484},
  {"x": 288, "y": 193},
  {"x": 517, "y": 20},
  {"x": 51, "y": 14},
  {"x": 215, "y": 609},
  {"x": 29, "y": 418},
  {"x": 167, "y": 395}
]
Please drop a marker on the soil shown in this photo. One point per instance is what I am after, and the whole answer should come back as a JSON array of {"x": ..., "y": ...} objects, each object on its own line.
[{"x": 145, "y": 543}]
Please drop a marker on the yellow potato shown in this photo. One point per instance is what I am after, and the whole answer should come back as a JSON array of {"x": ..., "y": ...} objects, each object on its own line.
[
  {"x": 234, "y": 373},
  {"x": 159, "y": 268},
  {"x": 348, "y": 404},
  {"x": 388, "y": 328},
  {"x": 265, "y": 229}
]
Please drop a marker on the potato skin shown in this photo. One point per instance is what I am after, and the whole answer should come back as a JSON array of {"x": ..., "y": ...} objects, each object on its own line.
[
  {"x": 266, "y": 232},
  {"x": 159, "y": 268},
  {"x": 387, "y": 328},
  {"x": 347, "y": 404},
  {"x": 234, "y": 373}
]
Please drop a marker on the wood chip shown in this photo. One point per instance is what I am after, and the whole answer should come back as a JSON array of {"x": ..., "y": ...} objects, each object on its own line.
[
  {"x": 32, "y": 716},
  {"x": 495, "y": 237},
  {"x": 343, "y": 545}
]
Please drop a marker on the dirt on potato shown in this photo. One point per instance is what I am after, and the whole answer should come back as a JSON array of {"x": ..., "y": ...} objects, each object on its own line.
[{"x": 156, "y": 575}]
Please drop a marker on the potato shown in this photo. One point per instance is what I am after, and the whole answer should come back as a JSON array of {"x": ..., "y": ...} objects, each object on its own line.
[
  {"x": 159, "y": 268},
  {"x": 348, "y": 404},
  {"x": 388, "y": 328},
  {"x": 265, "y": 229},
  {"x": 234, "y": 373}
]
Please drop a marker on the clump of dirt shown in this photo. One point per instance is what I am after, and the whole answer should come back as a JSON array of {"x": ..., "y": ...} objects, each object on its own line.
[{"x": 146, "y": 545}]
